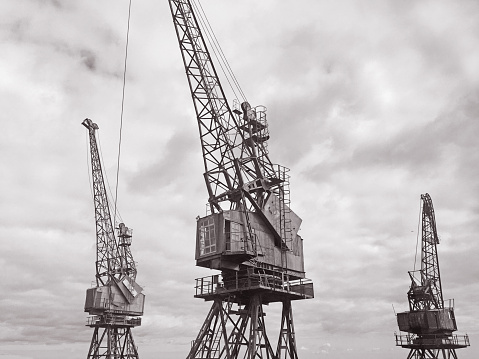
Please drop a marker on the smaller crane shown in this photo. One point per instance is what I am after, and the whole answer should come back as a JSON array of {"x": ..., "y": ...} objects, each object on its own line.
[
  {"x": 429, "y": 323},
  {"x": 116, "y": 302}
]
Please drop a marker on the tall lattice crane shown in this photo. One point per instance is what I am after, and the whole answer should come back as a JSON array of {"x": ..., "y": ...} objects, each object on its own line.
[
  {"x": 251, "y": 233},
  {"x": 429, "y": 322},
  {"x": 116, "y": 302}
]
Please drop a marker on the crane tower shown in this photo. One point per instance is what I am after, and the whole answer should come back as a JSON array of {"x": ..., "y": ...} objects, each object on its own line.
[
  {"x": 250, "y": 233},
  {"x": 116, "y": 302},
  {"x": 429, "y": 321}
]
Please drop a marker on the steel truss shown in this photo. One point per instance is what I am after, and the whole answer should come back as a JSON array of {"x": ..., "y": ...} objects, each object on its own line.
[
  {"x": 429, "y": 257},
  {"x": 108, "y": 260},
  {"x": 112, "y": 342},
  {"x": 240, "y": 333},
  {"x": 432, "y": 354},
  {"x": 233, "y": 142}
]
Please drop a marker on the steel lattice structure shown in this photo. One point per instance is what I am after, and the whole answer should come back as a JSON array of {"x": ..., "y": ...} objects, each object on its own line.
[
  {"x": 429, "y": 322},
  {"x": 108, "y": 260},
  {"x": 429, "y": 260},
  {"x": 116, "y": 302},
  {"x": 251, "y": 233},
  {"x": 232, "y": 157},
  {"x": 114, "y": 342}
]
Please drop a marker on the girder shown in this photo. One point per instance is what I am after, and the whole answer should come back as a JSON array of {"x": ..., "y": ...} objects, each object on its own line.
[
  {"x": 426, "y": 291},
  {"x": 429, "y": 257},
  {"x": 232, "y": 155},
  {"x": 108, "y": 262}
]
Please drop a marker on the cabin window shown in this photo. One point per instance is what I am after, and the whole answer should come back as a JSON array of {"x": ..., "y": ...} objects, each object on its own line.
[
  {"x": 227, "y": 235},
  {"x": 207, "y": 236},
  {"x": 234, "y": 236},
  {"x": 130, "y": 287}
]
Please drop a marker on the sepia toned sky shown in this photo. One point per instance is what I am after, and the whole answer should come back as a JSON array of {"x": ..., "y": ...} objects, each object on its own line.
[{"x": 370, "y": 104}]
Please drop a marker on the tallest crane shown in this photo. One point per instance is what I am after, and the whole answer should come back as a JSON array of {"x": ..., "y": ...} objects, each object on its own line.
[
  {"x": 429, "y": 322},
  {"x": 251, "y": 234}
]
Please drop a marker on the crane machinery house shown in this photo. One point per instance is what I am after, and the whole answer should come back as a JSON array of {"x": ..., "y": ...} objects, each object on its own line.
[{"x": 222, "y": 241}]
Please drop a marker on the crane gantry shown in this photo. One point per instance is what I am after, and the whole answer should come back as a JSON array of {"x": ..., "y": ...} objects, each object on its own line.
[
  {"x": 429, "y": 321},
  {"x": 116, "y": 302},
  {"x": 251, "y": 233}
]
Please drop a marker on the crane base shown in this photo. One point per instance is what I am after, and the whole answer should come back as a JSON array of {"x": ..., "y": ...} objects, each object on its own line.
[
  {"x": 112, "y": 342},
  {"x": 232, "y": 331}
]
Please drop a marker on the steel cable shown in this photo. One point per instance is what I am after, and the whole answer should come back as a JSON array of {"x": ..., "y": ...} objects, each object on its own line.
[{"x": 122, "y": 108}]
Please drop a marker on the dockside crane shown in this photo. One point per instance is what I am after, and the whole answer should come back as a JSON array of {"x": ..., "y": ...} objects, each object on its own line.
[
  {"x": 250, "y": 233},
  {"x": 430, "y": 321},
  {"x": 116, "y": 302}
]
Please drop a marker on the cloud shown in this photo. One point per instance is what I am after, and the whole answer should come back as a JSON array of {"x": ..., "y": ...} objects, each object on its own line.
[
  {"x": 173, "y": 167},
  {"x": 370, "y": 104}
]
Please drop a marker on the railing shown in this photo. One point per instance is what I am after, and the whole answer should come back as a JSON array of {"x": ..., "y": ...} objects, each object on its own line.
[
  {"x": 112, "y": 320},
  {"x": 302, "y": 286},
  {"x": 207, "y": 285},
  {"x": 215, "y": 284},
  {"x": 261, "y": 118},
  {"x": 413, "y": 339},
  {"x": 450, "y": 303},
  {"x": 113, "y": 306},
  {"x": 124, "y": 241},
  {"x": 124, "y": 235}
]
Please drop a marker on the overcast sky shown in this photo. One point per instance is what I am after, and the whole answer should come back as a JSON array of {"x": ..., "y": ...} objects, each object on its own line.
[{"x": 370, "y": 103}]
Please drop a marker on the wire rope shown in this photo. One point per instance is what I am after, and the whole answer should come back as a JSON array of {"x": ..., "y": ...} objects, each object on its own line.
[
  {"x": 217, "y": 50},
  {"x": 122, "y": 110},
  {"x": 107, "y": 182},
  {"x": 213, "y": 39}
]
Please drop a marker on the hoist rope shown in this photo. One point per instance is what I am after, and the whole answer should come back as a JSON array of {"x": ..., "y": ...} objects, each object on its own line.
[
  {"x": 417, "y": 236},
  {"x": 121, "y": 115},
  {"x": 106, "y": 181},
  {"x": 217, "y": 50},
  {"x": 89, "y": 166}
]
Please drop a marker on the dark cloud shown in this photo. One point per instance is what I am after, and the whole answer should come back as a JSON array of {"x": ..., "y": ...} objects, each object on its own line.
[
  {"x": 173, "y": 166},
  {"x": 417, "y": 150},
  {"x": 89, "y": 59},
  {"x": 54, "y": 3}
]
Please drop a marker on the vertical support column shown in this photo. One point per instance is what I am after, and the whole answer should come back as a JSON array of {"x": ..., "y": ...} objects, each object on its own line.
[
  {"x": 259, "y": 345},
  {"x": 203, "y": 341},
  {"x": 129, "y": 347},
  {"x": 287, "y": 343},
  {"x": 95, "y": 344},
  {"x": 225, "y": 337},
  {"x": 253, "y": 330},
  {"x": 237, "y": 338}
]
